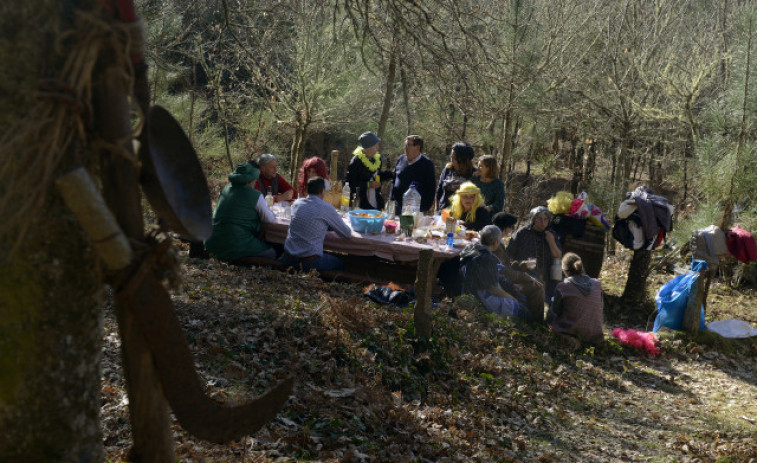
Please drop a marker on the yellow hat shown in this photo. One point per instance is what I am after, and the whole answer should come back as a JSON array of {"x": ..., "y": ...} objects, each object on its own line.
[{"x": 468, "y": 188}]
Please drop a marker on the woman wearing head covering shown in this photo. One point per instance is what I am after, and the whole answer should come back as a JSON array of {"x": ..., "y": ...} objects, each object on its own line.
[
  {"x": 364, "y": 173},
  {"x": 468, "y": 206},
  {"x": 238, "y": 219},
  {"x": 312, "y": 167},
  {"x": 537, "y": 241},
  {"x": 577, "y": 308},
  {"x": 532, "y": 288},
  {"x": 458, "y": 171}
]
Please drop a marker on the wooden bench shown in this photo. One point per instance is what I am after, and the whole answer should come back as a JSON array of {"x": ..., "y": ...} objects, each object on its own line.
[{"x": 328, "y": 275}]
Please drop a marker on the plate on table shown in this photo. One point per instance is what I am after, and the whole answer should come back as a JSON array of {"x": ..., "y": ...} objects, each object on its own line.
[{"x": 460, "y": 243}]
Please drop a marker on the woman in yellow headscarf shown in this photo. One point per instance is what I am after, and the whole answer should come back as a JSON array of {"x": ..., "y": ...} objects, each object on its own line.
[{"x": 468, "y": 206}]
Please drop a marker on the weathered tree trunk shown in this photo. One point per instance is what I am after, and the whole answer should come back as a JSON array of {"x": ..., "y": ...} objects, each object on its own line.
[
  {"x": 636, "y": 284},
  {"x": 507, "y": 127},
  {"x": 50, "y": 307},
  {"x": 391, "y": 77},
  {"x": 297, "y": 152},
  {"x": 726, "y": 218},
  {"x": 406, "y": 100},
  {"x": 577, "y": 166},
  {"x": 589, "y": 163}
]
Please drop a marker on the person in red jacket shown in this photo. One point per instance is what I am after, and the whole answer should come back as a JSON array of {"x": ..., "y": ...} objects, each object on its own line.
[{"x": 271, "y": 182}]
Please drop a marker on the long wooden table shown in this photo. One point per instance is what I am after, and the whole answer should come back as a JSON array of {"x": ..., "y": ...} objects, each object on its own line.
[{"x": 382, "y": 255}]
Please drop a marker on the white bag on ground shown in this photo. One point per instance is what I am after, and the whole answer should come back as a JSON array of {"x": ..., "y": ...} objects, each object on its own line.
[{"x": 732, "y": 328}]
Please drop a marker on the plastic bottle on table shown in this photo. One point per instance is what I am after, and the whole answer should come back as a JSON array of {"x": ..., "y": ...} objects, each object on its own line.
[
  {"x": 411, "y": 200},
  {"x": 450, "y": 240},
  {"x": 346, "y": 197},
  {"x": 269, "y": 200}
]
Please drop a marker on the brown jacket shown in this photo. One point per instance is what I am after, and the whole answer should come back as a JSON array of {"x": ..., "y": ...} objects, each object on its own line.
[{"x": 577, "y": 308}]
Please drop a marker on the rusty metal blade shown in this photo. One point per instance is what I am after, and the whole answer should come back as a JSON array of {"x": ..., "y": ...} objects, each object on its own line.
[{"x": 202, "y": 416}]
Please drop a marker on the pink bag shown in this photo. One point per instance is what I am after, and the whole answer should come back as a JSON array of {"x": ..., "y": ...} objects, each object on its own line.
[{"x": 637, "y": 339}]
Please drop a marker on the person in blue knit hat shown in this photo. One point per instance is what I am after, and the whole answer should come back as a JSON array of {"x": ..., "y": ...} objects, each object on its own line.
[{"x": 364, "y": 173}]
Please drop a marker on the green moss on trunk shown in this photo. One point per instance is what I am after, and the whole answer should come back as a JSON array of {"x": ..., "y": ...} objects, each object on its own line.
[{"x": 50, "y": 313}]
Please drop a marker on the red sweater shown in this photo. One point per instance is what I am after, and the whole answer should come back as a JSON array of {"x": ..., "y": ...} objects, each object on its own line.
[{"x": 267, "y": 186}]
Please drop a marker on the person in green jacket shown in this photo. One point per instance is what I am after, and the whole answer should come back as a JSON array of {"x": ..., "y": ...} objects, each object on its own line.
[{"x": 238, "y": 219}]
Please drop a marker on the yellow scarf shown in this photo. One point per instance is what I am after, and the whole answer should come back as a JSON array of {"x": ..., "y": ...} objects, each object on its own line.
[{"x": 371, "y": 165}]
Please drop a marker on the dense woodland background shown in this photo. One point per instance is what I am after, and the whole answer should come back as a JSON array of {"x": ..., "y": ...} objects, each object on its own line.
[{"x": 617, "y": 93}]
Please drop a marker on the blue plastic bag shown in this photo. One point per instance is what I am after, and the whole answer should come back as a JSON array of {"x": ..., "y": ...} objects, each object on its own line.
[{"x": 671, "y": 302}]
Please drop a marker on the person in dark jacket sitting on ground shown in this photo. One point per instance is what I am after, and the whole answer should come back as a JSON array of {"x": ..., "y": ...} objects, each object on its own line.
[
  {"x": 517, "y": 272},
  {"x": 537, "y": 241},
  {"x": 479, "y": 271}
]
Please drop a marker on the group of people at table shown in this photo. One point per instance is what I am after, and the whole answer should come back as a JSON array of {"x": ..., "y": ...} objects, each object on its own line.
[{"x": 513, "y": 280}]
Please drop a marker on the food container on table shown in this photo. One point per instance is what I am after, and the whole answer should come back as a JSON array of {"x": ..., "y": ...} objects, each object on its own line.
[
  {"x": 390, "y": 226},
  {"x": 470, "y": 235},
  {"x": 420, "y": 234},
  {"x": 367, "y": 220}
]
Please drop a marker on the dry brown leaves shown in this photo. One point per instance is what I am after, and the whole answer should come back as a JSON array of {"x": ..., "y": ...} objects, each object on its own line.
[{"x": 483, "y": 390}]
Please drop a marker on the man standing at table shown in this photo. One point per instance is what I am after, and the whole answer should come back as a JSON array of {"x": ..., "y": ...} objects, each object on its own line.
[
  {"x": 312, "y": 218},
  {"x": 271, "y": 182},
  {"x": 414, "y": 166}
]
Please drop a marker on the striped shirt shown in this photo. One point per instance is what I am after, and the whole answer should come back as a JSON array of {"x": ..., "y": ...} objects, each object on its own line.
[{"x": 312, "y": 218}]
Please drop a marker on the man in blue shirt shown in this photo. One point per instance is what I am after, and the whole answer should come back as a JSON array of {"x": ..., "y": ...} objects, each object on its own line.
[
  {"x": 414, "y": 166},
  {"x": 312, "y": 218}
]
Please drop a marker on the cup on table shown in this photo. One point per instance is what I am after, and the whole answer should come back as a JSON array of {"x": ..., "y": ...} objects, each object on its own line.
[
  {"x": 407, "y": 223},
  {"x": 418, "y": 219},
  {"x": 449, "y": 224}
]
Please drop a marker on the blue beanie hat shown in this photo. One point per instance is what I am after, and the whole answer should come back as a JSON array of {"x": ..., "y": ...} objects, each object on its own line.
[{"x": 368, "y": 139}]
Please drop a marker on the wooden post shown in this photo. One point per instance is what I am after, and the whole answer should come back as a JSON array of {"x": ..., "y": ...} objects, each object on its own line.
[
  {"x": 423, "y": 285},
  {"x": 148, "y": 409},
  {"x": 692, "y": 315},
  {"x": 333, "y": 174},
  {"x": 708, "y": 276}
]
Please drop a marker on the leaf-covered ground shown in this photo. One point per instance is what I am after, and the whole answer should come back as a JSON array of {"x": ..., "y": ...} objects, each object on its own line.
[{"x": 485, "y": 389}]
